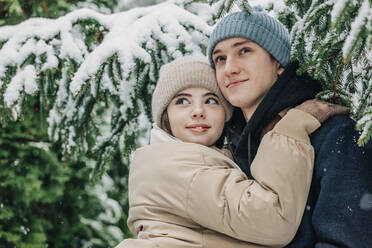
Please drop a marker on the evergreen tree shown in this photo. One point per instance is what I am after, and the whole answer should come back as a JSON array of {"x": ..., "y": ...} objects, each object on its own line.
[
  {"x": 16, "y": 11},
  {"x": 130, "y": 4},
  {"x": 93, "y": 74},
  {"x": 68, "y": 218},
  {"x": 44, "y": 203},
  {"x": 332, "y": 40}
]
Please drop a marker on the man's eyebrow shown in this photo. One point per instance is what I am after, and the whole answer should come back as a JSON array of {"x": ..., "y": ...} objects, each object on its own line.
[
  {"x": 236, "y": 44},
  {"x": 216, "y": 51},
  {"x": 239, "y": 43}
]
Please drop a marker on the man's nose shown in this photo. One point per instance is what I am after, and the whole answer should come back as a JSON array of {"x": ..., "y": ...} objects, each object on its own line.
[{"x": 231, "y": 66}]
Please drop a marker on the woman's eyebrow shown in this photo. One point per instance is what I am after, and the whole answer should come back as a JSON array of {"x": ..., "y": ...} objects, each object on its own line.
[
  {"x": 210, "y": 94},
  {"x": 181, "y": 94},
  {"x": 189, "y": 95}
]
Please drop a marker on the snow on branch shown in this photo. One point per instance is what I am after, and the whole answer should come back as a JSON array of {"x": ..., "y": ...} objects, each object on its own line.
[
  {"x": 94, "y": 73},
  {"x": 331, "y": 39}
]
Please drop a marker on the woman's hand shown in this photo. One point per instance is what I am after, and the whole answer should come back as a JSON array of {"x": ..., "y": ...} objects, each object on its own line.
[{"x": 322, "y": 110}]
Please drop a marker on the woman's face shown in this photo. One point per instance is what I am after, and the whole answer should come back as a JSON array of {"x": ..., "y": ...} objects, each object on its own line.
[
  {"x": 196, "y": 115},
  {"x": 245, "y": 72}
]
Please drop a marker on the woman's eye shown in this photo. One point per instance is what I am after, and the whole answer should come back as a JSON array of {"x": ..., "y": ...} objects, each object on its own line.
[
  {"x": 182, "y": 101},
  {"x": 212, "y": 101}
]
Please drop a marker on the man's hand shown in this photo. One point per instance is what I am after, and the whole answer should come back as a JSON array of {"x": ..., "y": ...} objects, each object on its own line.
[{"x": 322, "y": 110}]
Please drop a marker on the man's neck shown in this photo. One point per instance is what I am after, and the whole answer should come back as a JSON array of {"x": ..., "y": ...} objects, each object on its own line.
[{"x": 249, "y": 111}]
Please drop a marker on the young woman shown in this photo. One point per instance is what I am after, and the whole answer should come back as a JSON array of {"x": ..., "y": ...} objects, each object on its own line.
[{"x": 185, "y": 192}]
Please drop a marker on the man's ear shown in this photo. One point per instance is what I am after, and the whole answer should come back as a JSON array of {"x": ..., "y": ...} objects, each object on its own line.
[
  {"x": 280, "y": 70},
  {"x": 279, "y": 67}
]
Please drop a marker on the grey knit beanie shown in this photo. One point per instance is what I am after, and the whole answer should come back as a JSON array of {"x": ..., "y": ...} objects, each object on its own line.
[
  {"x": 259, "y": 27},
  {"x": 180, "y": 74}
]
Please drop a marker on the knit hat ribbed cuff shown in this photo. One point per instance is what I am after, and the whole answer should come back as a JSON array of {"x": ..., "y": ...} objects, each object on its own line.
[{"x": 259, "y": 27}]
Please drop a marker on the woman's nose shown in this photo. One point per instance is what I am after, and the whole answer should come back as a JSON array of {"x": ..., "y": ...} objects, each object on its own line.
[{"x": 198, "y": 112}]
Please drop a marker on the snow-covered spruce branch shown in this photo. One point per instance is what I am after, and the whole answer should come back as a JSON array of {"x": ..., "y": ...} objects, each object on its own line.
[
  {"x": 332, "y": 41},
  {"x": 94, "y": 73}
]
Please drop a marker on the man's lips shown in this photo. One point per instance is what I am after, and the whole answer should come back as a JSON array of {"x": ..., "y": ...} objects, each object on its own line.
[
  {"x": 199, "y": 128},
  {"x": 235, "y": 83}
]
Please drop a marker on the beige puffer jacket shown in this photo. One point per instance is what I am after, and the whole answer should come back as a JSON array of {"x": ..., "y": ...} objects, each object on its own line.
[{"x": 189, "y": 195}]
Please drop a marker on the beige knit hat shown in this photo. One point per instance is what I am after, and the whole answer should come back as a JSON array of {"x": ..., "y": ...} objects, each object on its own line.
[{"x": 180, "y": 74}]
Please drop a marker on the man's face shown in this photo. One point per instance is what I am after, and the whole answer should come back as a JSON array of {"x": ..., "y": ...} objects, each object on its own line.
[{"x": 245, "y": 72}]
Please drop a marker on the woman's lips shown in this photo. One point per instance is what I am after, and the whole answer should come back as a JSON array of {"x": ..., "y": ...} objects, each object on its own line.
[{"x": 198, "y": 128}]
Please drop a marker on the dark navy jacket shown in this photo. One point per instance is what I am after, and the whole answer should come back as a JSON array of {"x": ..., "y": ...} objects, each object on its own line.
[{"x": 339, "y": 206}]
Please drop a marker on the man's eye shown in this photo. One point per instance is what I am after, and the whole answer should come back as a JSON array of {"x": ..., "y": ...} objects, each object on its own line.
[
  {"x": 182, "y": 101},
  {"x": 212, "y": 101},
  {"x": 245, "y": 50},
  {"x": 219, "y": 59}
]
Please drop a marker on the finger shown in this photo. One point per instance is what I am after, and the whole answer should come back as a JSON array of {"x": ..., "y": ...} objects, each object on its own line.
[{"x": 338, "y": 109}]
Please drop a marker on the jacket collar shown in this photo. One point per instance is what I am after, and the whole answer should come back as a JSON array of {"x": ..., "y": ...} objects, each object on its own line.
[{"x": 158, "y": 135}]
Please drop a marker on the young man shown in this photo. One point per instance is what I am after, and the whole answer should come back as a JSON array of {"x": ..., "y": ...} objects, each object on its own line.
[{"x": 251, "y": 56}]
